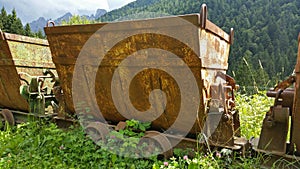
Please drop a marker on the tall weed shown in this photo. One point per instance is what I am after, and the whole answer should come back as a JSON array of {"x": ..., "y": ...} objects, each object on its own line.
[{"x": 252, "y": 109}]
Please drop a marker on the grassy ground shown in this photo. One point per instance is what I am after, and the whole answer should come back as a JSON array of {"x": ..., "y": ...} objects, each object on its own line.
[{"x": 41, "y": 145}]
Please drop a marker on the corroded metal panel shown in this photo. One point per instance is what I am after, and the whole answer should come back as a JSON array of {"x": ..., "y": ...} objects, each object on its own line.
[
  {"x": 275, "y": 130},
  {"x": 295, "y": 136},
  {"x": 204, "y": 50},
  {"x": 20, "y": 54}
]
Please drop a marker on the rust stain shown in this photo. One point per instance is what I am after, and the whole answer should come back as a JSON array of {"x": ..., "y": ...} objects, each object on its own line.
[{"x": 295, "y": 136}]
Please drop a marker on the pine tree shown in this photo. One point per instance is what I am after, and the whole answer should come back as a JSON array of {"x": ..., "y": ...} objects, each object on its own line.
[
  {"x": 4, "y": 19},
  {"x": 17, "y": 27},
  {"x": 12, "y": 24},
  {"x": 27, "y": 30},
  {"x": 1, "y": 24},
  {"x": 39, "y": 34}
]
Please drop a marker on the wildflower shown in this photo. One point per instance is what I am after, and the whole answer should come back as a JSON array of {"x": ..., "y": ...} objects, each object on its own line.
[
  {"x": 112, "y": 136},
  {"x": 218, "y": 154},
  {"x": 185, "y": 157},
  {"x": 61, "y": 147},
  {"x": 166, "y": 163},
  {"x": 173, "y": 158},
  {"x": 195, "y": 161},
  {"x": 226, "y": 152}
]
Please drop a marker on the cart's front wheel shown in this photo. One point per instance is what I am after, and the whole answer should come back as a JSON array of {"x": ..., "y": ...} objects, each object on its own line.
[
  {"x": 97, "y": 131},
  {"x": 156, "y": 144},
  {"x": 6, "y": 119}
]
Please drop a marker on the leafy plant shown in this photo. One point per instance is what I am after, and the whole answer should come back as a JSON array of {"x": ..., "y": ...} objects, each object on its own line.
[
  {"x": 43, "y": 145},
  {"x": 252, "y": 109},
  {"x": 126, "y": 142},
  {"x": 135, "y": 128},
  {"x": 76, "y": 20}
]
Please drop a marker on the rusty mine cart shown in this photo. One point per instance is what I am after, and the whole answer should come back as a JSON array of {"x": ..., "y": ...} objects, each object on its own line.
[
  {"x": 27, "y": 76},
  {"x": 200, "y": 44}
]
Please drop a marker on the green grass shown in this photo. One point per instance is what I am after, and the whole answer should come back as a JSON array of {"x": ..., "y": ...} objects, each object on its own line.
[
  {"x": 252, "y": 110},
  {"x": 44, "y": 145},
  {"x": 39, "y": 145}
]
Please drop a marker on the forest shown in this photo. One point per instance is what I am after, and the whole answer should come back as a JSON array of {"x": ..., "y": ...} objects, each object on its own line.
[
  {"x": 12, "y": 24},
  {"x": 266, "y": 31}
]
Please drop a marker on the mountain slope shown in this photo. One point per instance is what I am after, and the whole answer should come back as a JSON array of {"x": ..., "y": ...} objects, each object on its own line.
[{"x": 128, "y": 10}]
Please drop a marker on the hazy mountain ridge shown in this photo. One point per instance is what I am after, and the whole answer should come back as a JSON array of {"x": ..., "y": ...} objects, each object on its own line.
[{"x": 41, "y": 22}]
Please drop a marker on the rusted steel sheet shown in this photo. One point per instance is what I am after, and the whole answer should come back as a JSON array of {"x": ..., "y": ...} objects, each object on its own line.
[
  {"x": 295, "y": 135},
  {"x": 20, "y": 54},
  {"x": 274, "y": 130},
  {"x": 209, "y": 42}
]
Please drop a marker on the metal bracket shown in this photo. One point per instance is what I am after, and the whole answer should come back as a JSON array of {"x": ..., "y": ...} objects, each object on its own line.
[
  {"x": 203, "y": 16},
  {"x": 36, "y": 94},
  {"x": 231, "y": 38},
  {"x": 286, "y": 83},
  {"x": 50, "y": 22},
  {"x": 273, "y": 137}
]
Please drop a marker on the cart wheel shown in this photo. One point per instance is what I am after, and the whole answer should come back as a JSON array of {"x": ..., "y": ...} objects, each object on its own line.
[
  {"x": 6, "y": 118},
  {"x": 154, "y": 140},
  {"x": 97, "y": 131}
]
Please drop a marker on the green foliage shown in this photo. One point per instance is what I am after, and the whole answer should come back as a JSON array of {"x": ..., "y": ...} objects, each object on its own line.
[
  {"x": 252, "y": 110},
  {"x": 39, "y": 34},
  {"x": 76, "y": 20},
  {"x": 251, "y": 80},
  {"x": 27, "y": 30},
  {"x": 10, "y": 23},
  {"x": 225, "y": 158},
  {"x": 134, "y": 128},
  {"x": 41, "y": 145},
  {"x": 129, "y": 10},
  {"x": 126, "y": 142},
  {"x": 14, "y": 24}
]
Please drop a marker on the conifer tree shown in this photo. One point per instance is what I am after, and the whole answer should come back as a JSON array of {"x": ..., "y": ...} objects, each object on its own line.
[
  {"x": 4, "y": 20},
  {"x": 27, "y": 30},
  {"x": 39, "y": 34}
]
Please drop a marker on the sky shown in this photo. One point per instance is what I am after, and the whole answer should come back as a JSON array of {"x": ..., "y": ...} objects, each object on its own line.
[{"x": 29, "y": 10}]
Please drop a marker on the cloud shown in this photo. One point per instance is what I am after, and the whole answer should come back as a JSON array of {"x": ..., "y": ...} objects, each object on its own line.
[{"x": 29, "y": 10}]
